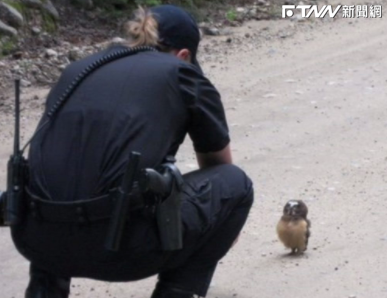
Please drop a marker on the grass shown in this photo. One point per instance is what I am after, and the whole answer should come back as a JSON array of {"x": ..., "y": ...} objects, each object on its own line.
[
  {"x": 231, "y": 15},
  {"x": 19, "y": 6},
  {"x": 48, "y": 22},
  {"x": 7, "y": 46}
]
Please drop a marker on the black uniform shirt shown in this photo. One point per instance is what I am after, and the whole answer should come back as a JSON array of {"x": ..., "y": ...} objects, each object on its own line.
[{"x": 146, "y": 102}]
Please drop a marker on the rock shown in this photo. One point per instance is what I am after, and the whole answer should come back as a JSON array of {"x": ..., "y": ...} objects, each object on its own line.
[
  {"x": 212, "y": 31},
  {"x": 16, "y": 69},
  {"x": 50, "y": 8},
  {"x": 252, "y": 12},
  {"x": 290, "y": 81},
  {"x": 118, "y": 40},
  {"x": 36, "y": 30},
  {"x": 35, "y": 69},
  {"x": 17, "y": 55},
  {"x": 65, "y": 44},
  {"x": 11, "y": 15},
  {"x": 270, "y": 95},
  {"x": 283, "y": 35},
  {"x": 298, "y": 18},
  {"x": 62, "y": 67},
  {"x": 74, "y": 54},
  {"x": 114, "y": 41},
  {"x": 51, "y": 53},
  {"x": 7, "y": 30},
  {"x": 65, "y": 60},
  {"x": 225, "y": 31},
  {"x": 25, "y": 83},
  {"x": 241, "y": 10},
  {"x": 45, "y": 5}
]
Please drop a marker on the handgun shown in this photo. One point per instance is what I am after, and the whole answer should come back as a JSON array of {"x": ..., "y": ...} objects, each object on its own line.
[{"x": 167, "y": 184}]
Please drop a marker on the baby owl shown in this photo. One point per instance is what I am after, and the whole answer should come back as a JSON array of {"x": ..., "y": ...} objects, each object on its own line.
[{"x": 293, "y": 227}]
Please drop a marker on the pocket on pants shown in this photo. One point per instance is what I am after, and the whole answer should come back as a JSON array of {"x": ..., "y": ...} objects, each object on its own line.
[{"x": 204, "y": 202}]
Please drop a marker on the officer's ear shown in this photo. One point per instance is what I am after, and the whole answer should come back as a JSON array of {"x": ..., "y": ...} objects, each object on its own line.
[{"x": 183, "y": 54}]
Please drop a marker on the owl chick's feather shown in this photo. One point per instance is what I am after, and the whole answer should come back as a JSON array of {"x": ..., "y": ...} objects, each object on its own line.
[{"x": 293, "y": 229}]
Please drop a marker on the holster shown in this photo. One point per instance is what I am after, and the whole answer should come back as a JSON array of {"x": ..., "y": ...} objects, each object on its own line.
[
  {"x": 166, "y": 184},
  {"x": 169, "y": 222}
]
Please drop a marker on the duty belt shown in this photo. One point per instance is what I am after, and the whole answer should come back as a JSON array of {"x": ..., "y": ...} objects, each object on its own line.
[{"x": 81, "y": 211}]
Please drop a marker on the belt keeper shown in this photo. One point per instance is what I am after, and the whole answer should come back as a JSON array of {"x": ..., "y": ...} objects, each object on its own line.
[
  {"x": 81, "y": 213},
  {"x": 34, "y": 207}
]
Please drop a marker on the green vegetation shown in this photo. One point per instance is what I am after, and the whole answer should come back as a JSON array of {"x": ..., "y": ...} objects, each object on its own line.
[
  {"x": 19, "y": 6},
  {"x": 48, "y": 22},
  {"x": 231, "y": 15},
  {"x": 198, "y": 8},
  {"x": 8, "y": 44},
  {"x": 148, "y": 3}
]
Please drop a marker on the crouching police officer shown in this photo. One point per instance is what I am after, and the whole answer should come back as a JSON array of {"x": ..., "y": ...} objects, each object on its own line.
[{"x": 144, "y": 96}]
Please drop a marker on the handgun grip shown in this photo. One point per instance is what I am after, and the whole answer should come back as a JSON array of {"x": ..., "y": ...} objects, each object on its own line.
[{"x": 153, "y": 181}]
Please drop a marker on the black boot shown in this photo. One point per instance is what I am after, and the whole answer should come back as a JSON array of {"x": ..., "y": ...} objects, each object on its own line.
[
  {"x": 168, "y": 291},
  {"x": 45, "y": 285}
]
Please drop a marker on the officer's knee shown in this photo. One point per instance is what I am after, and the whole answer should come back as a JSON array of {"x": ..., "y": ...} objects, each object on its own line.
[{"x": 238, "y": 183}]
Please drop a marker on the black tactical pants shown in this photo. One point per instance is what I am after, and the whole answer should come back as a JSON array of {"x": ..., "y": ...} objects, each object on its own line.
[{"x": 216, "y": 205}]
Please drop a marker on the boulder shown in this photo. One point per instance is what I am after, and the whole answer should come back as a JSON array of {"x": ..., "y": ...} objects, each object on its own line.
[
  {"x": 10, "y": 15},
  {"x": 7, "y": 30},
  {"x": 46, "y": 5},
  {"x": 50, "y": 8}
]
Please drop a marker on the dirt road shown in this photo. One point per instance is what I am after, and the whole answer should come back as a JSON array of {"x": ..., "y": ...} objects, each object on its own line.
[{"x": 307, "y": 108}]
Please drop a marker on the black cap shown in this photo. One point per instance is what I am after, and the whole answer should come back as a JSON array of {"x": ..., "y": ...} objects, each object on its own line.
[{"x": 177, "y": 29}]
